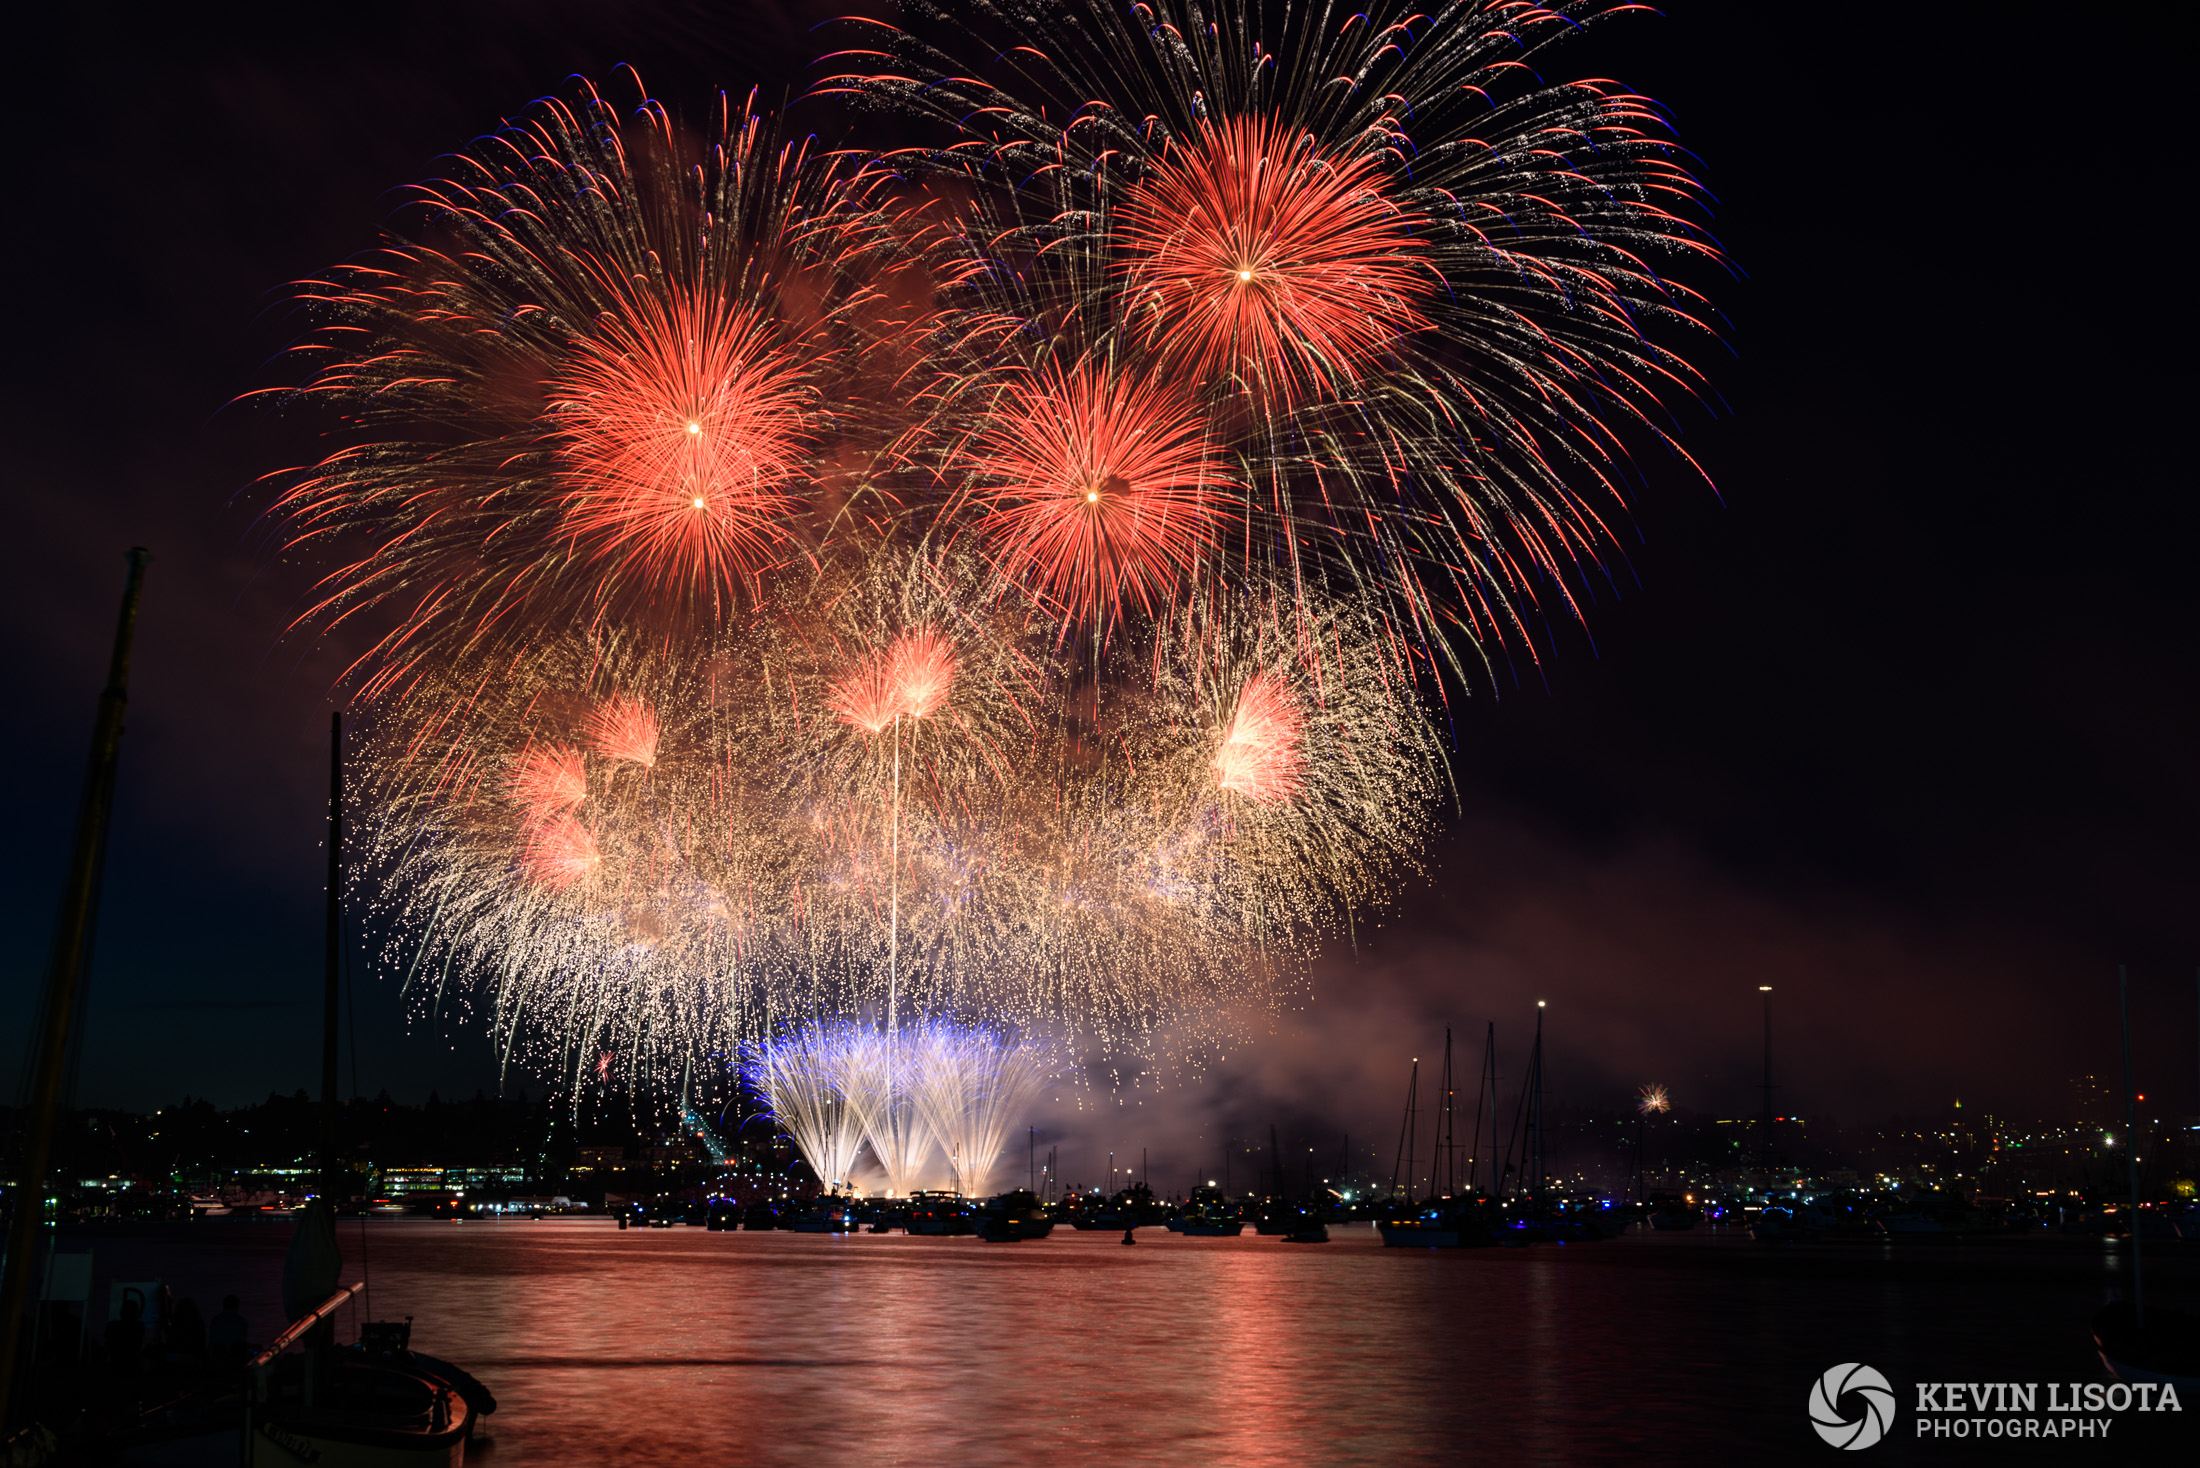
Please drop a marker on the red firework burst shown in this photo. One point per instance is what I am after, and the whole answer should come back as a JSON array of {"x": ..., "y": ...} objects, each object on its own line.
[
  {"x": 1251, "y": 253},
  {"x": 866, "y": 696},
  {"x": 681, "y": 427},
  {"x": 623, "y": 728},
  {"x": 923, "y": 664},
  {"x": 1260, "y": 757},
  {"x": 550, "y": 779},
  {"x": 910, "y": 678},
  {"x": 559, "y": 852},
  {"x": 1096, "y": 485}
]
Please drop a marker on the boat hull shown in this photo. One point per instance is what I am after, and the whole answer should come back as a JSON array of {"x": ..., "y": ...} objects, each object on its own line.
[
  {"x": 274, "y": 1445},
  {"x": 1408, "y": 1236}
]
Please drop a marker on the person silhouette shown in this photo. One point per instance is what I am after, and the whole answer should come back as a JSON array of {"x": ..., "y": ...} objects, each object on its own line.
[
  {"x": 126, "y": 1336},
  {"x": 187, "y": 1332},
  {"x": 225, "y": 1335}
]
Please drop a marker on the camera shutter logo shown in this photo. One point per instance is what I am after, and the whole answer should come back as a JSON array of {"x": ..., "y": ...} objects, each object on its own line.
[{"x": 1846, "y": 1388}]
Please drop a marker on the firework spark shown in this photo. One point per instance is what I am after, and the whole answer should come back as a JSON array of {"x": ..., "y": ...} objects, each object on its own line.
[
  {"x": 682, "y": 427},
  {"x": 972, "y": 1085},
  {"x": 1426, "y": 300},
  {"x": 803, "y": 1079},
  {"x": 922, "y": 669},
  {"x": 1652, "y": 1100},
  {"x": 549, "y": 780},
  {"x": 1004, "y": 583},
  {"x": 559, "y": 852},
  {"x": 623, "y": 729},
  {"x": 1248, "y": 253},
  {"x": 1096, "y": 488},
  {"x": 1259, "y": 757},
  {"x": 562, "y": 397}
]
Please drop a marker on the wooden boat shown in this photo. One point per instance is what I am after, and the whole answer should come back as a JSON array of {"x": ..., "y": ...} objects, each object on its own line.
[{"x": 374, "y": 1405}]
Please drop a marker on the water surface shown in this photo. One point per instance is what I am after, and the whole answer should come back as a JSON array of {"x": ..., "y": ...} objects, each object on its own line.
[{"x": 682, "y": 1346}]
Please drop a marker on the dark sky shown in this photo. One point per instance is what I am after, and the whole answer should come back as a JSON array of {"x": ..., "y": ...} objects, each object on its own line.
[{"x": 1901, "y": 722}]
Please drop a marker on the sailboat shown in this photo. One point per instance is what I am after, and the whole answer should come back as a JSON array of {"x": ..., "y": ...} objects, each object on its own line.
[
  {"x": 375, "y": 1403},
  {"x": 2139, "y": 1343}
]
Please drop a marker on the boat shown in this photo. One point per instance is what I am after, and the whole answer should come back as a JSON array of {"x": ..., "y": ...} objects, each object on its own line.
[
  {"x": 2138, "y": 1343},
  {"x": 1013, "y": 1217},
  {"x": 1089, "y": 1213},
  {"x": 1428, "y": 1229},
  {"x": 371, "y": 1405},
  {"x": 828, "y": 1215},
  {"x": 1314, "y": 1232},
  {"x": 1208, "y": 1215},
  {"x": 940, "y": 1215},
  {"x": 375, "y": 1403},
  {"x": 1212, "y": 1228}
]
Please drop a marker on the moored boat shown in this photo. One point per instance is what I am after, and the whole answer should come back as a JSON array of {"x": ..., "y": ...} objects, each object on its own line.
[
  {"x": 1013, "y": 1217},
  {"x": 373, "y": 1405},
  {"x": 941, "y": 1215}
]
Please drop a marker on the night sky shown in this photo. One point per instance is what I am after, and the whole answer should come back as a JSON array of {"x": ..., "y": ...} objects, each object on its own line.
[{"x": 1901, "y": 721}]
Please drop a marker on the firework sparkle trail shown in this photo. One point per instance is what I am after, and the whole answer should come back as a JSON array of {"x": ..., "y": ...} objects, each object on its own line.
[
  {"x": 1428, "y": 294},
  {"x": 1003, "y": 582}
]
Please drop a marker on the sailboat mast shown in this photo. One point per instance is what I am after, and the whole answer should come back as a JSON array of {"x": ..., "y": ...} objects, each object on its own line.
[
  {"x": 64, "y": 976},
  {"x": 330, "y": 995},
  {"x": 1404, "y": 1156},
  {"x": 2131, "y": 1150},
  {"x": 1535, "y": 1152}
]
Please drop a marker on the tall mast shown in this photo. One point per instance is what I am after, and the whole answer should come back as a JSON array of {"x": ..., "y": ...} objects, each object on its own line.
[
  {"x": 72, "y": 943},
  {"x": 2131, "y": 1150},
  {"x": 1765, "y": 1134},
  {"x": 1406, "y": 1141},
  {"x": 1440, "y": 1156},
  {"x": 330, "y": 993},
  {"x": 1535, "y": 1152}
]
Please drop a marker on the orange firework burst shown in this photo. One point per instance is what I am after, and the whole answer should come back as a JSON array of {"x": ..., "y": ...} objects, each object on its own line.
[
  {"x": 624, "y": 728},
  {"x": 559, "y": 852},
  {"x": 1259, "y": 757},
  {"x": 1096, "y": 484},
  {"x": 549, "y": 779},
  {"x": 682, "y": 424},
  {"x": 1249, "y": 252}
]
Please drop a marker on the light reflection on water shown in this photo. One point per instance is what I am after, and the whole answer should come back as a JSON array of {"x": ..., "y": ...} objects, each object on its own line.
[{"x": 653, "y": 1346}]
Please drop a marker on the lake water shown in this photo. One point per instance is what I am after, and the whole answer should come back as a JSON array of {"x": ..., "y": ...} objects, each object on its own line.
[{"x": 683, "y": 1346}]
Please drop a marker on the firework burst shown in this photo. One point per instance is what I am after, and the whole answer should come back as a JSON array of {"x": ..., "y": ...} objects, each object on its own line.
[
  {"x": 1247, "y": 254},
  {"x": 1096, "y": 488},
  {"x": 682, "y": 427},
  {"x": 1003, "y": 582},
  {"x": 1259, "y": 757},
  {"x": 590, "y": 372},
  {"x": 1427, "y": 298}
]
